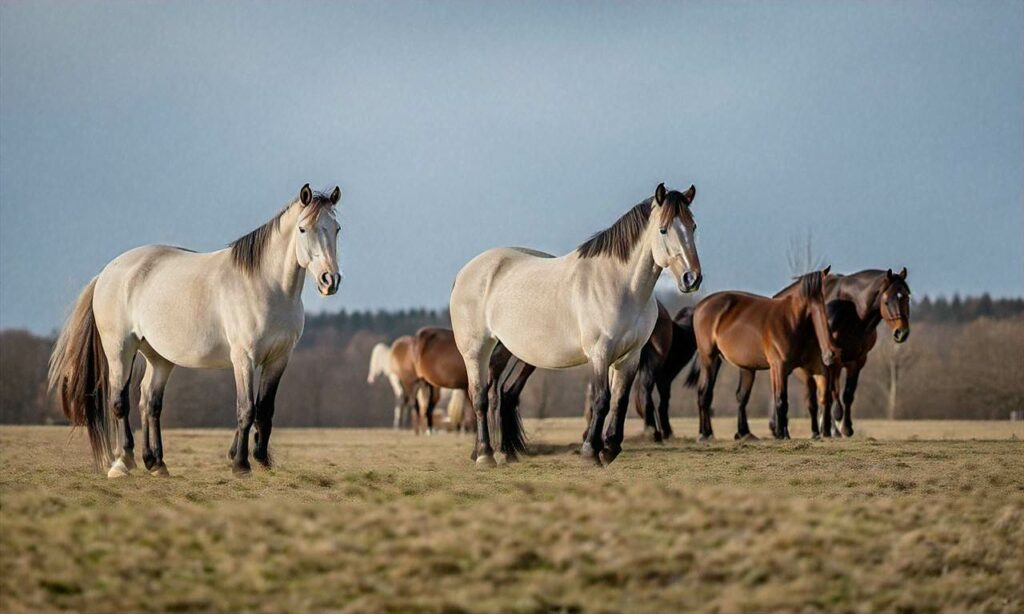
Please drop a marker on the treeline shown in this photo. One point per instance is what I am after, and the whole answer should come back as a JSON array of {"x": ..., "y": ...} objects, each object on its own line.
[
  {"x": 965, "y": 359},
  {"x": 967, "y": 309}
]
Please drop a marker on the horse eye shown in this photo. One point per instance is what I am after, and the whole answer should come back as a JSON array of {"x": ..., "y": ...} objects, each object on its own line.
[
  {"x": 664, "y": 231},
  {"x": 301, "y": 229}
]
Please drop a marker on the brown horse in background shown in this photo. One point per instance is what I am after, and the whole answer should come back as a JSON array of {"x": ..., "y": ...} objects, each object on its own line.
[
  {"x": 856, "y": 305},
  {"x": 671, "y": 346},
  {"x": 756, "y": 333},
  {"x": 438, "y": 364},
  {"x": 403, "y": 366}
]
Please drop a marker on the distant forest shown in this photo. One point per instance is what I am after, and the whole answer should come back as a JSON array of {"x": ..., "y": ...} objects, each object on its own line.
[{"x": 965, "y": 359}]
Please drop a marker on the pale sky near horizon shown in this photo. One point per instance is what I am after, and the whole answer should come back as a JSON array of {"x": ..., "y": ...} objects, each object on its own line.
[{"x": 893, "y": 131}]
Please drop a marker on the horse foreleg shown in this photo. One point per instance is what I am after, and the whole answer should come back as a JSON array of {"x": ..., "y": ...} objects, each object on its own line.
[
  {"x": 779, "y": 393},
  {"x": 664, "y": 395},
  {"x": 245, "y": 403},
  {"x": 622, "y": 376},
  {"x": 269, "y": 381},
  {"x": 849, "y": 390},
  {"x": 591, "y": 449}
]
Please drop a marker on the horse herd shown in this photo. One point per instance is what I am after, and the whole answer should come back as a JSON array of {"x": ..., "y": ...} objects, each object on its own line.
[{"x": 513, "y": 310}]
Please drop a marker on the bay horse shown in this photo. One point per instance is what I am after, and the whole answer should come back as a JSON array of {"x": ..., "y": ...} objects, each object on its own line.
[
  {"x": 403, "y": 366},
  {"x": 438, "y": 364},
  {"x": 755, "y": 333},
  {"x": 594, "y": 305},
  {"x": 856, "y": 304},
  {"x": 239, "y": 308}
]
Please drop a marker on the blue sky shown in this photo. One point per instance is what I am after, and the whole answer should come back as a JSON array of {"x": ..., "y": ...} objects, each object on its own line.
[{"x": 893, "y": 131}]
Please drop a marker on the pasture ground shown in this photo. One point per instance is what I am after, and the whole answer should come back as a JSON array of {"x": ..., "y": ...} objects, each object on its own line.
[{"x": 919, "y": 516}]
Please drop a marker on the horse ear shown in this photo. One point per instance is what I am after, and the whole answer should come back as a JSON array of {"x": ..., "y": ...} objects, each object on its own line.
[
  {"x": 889, "y": 275},
  {"x": 903, "y": 274},
  {"x": 305, "y": 195},
  {"x": 659, "y": 194},
  {"x": 689, "y": 194},
  {"x": 335, "y": 195},
  {"x": 824, "y": 272}
]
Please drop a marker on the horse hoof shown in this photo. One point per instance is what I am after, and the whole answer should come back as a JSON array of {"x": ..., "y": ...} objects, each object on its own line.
[
  {"x": 666, "y": 435},
  {"x": 706, "y": 438},
  {"x": 485, "y": 460},
  {"x": 129, "y": 461},
  {"x": 608, "y": 455},
  {"x": 118, "y": 470},
  {"x": 589, "y": 456},
  {"x": 160, "y": 471},
  {"x": 241, "y": 471},
  {"x": 508, "y": 458},
  {"x": 655, "y": 436},
  {"x": 847, "y": 431},
  {"x": 746, "y": 437},
  {"x": 815, "y": 435}
]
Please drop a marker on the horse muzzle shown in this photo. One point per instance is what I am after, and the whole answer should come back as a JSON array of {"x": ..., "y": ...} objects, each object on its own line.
[
  {"x": 690, "y": 282},
  {"x": 901, "y": 334},
  {"x": 329, "y": 283}
]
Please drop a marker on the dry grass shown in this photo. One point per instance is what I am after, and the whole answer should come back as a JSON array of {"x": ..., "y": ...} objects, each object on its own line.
[{"x": 904, "y": 516}]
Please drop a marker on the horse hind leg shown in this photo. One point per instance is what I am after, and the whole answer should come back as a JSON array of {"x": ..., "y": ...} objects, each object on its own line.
[
  {"x": 119, "y": 363},
  {"x": 709, "y": 366},
  {"x": 746, "y": 384},
  {"x": 477, "y": 356},
  {"x": 151, "y": 402}
]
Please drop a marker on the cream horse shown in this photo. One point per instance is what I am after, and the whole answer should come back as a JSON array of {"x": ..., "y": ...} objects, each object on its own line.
[
  {"x": 380, "y": 366},
  {"x": 240, "y": 308},
  {"x": 593, "y": 305}
]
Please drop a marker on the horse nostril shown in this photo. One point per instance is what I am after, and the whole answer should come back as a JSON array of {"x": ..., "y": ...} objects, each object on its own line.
[
  {"x": 327, "y": 280},
  {"x": 691, "y": 280}
]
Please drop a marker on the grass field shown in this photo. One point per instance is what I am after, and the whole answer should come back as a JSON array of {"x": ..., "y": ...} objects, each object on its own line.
[{"x": 917, "y": 516}]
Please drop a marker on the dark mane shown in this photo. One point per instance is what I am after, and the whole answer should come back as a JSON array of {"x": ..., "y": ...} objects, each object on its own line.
[
  {"x": 619, "y": 239},
  {"x": 810, "y": 284},
  {"x": 247, "y": 251}
]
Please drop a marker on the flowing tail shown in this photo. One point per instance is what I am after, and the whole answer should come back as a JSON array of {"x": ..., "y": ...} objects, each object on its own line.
[
  {"x": 456, "y": 405},
  {"x": 78, "y": 375},
  {"x": 694, "y": 375},
  {"x": 513, "y": 436}
]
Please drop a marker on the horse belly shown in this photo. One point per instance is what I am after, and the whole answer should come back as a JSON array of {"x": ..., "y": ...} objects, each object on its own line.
[
  {"x": 186, "y": 336},
  {"x": 742, "y": 347}
]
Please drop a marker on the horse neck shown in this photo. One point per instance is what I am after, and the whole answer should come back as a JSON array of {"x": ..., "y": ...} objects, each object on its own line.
[
  {"x": 640, "y": 273},
  {"x": 281, "y": 270},
  {"x": 798, "y": 309},
  {"x": 867, "y": 300}
]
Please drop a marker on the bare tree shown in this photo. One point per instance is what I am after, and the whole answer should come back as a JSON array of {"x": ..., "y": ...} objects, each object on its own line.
[
  {"x": 898, "y": 359},
  {"x": 801, "y": 255}
]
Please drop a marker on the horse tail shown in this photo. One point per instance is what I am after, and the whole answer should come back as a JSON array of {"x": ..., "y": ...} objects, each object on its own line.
[
  {"x": 644, "y": 377},
  {"x": 456, "y": 405},
  {"x": 513, "y": 436},
  {"x": 694, "y": 375},
  {"x": 78, "y": 374}
]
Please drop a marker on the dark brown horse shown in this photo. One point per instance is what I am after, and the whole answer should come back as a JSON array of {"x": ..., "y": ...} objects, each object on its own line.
[
  {"x": 671, "y": 346},
  {"x": 856, "y": 305},
  {"x": 757, "y": 333}
]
